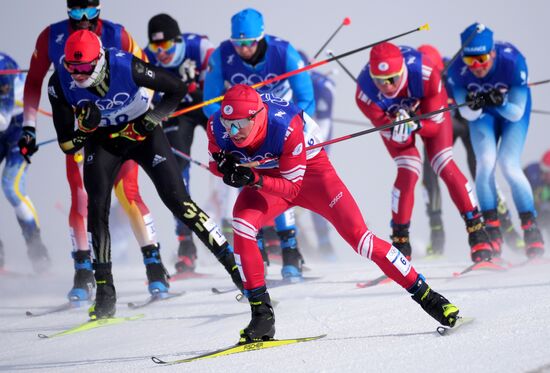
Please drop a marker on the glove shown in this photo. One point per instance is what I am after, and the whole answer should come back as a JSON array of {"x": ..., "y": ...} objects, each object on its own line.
[
  {"x": 145, "y": 125},
  {"x": 88, "y": 117},
  {"x": 27, "y": 143},
  {"x": 188, "y": 70},
  {"x": 240, "y": 177},
  {"x": 226, "y": 162},
  {"x": 402, "y": 132},
  {"x": 494, "y": 97},
  {"x": 476, "y": 100}
]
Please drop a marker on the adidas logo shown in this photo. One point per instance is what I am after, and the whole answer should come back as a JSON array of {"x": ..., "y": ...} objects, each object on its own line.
[{"x": 158, "y": 159}]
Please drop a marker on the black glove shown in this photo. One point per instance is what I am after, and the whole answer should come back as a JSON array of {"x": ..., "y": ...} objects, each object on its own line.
[
  {"x": 88, "y": 117},
  {"x": 227, "y": 162},
  {"x": 27, "y": 143},
  {"x": 240, "y": 177},
  {"x": 145, "y": 125},
  {"x": 495, "y": 97},
  {"x": 476, "y": 100}
]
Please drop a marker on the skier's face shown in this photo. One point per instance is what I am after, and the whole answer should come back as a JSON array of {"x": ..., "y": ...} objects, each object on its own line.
[
  {"x": 164, "y": 50},
  {"x": 389, "y": 86},
  {"x": 246, "y": 52},
  {"x": 84, "y": 18},
  {"x": 480, "y": 65}
]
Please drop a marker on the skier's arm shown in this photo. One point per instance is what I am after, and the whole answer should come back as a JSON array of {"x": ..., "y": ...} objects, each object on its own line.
[
  {"x": 372, "y": 111},
  {"x": 206, "y": 50},
  {"x": 213, "y": 83},
  {"x": 129, "y": 45},
  {"x": 212, "y": 148},
  {"x": 159, "y": 80},
  {"x": 302, "y": 85},
  {"x": 40, "y": 62},
  {"x": 516, "y": 101},
  {"x": 435, "y": 98}
]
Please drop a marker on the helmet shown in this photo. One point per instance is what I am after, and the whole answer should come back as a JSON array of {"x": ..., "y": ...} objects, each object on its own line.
[
  {"x": 386, "y": 59},
  {"x": 247, "y": 24},
  {"x": 433, "y": 54},
  {"x": 163, "y": 27},
  {"x": 84, "y": 54},
  {"x": 481, "y": 43},
  {"x": 545, "y": 162}
]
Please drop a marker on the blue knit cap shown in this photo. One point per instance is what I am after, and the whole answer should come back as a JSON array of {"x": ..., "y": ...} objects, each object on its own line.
[
  {"x": 481, "y": 43},
  {"x": 247, "y": 24}
]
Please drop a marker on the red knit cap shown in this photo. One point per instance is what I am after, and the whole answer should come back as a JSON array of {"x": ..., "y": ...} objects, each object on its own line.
[
  {"x": 545, "y": 162},
  {"x": 82, "y": 46},
  {"x": 385, "y": 59},
  {"x": 240, "y": 101}
]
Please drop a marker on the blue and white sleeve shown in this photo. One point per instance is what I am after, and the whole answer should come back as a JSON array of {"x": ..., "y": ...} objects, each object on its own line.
[
  {"x": 213, "y": 83},
  {"x": 518, "y": 95}
]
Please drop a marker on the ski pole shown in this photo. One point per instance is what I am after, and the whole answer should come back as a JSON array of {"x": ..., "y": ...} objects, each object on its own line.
[
  {"x": 188, "y": 157},
  {"x": 538, "y": 83},
  {"x": 16, "y": 71},
  {"x": 367, "y": 131},
  {"x": 300, "y": 70},
  {"x": 470, "y": 37},
  {"x": 545, "y": 112},
  {"x": 340, "y": 63},
  {"x": 41, "y": 111},
  {"x": 345, "y": 22}
]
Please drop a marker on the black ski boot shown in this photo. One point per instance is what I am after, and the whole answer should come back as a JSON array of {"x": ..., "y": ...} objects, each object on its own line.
[
  {"x": 534, "y": 244},
  {"x": 38, "y": 253},
  {"x": 435, "y": 304},
  {"x": 227, "y": 259},
  {"x": 187, "y": 255},
  {"x": 104, "y": 306},
  {"x": 437, "y": 235},
  {"x": 478, "y": 239},
  {"x": 492, "y": 227},
  {"x": 157, "y": 276},
  {"x": 262, "y": 324},
  {"x": 84, "y": 281},
  {"x": 400, "y": 239}
]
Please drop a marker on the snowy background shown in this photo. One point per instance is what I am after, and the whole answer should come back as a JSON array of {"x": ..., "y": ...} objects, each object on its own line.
[{"x": 376, "y": 329}]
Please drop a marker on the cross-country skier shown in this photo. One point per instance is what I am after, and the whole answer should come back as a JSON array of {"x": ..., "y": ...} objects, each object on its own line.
[
  {"x": 250, "y": 56},
  {"x": 496, "y": 72},
  {"x": 399, "y": 83},
  {"x": 248, "y": 129},
  {"x": 15, "y": 169},
  {"x": 126, "y": 128}
]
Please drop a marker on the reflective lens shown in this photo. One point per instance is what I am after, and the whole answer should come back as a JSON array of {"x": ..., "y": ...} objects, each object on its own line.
[
  {"x": 80, "y": 68},
  {"x": 479, "y": 60},
  {"x": 234, "y": 125},
  {"x": 388, "y": 79},
  {"x": 251, "y": 42},
  {"x": 79, "y": 13},
  {"x": 160, "y": 46}
]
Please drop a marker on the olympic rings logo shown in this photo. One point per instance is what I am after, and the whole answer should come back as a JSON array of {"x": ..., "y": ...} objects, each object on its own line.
[
  {"x": 120, "y": 99},
  {"x": 240, "y": 78},
  {"x": 486, "y": 87}
]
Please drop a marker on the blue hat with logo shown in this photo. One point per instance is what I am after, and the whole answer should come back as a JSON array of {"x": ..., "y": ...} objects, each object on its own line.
[
  {"x": 481, "y": 43},
  {"x": 247, "y": 24}
]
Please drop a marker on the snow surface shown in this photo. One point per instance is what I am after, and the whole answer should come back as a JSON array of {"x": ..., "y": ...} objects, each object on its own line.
[{"x": 378, "y": 329}]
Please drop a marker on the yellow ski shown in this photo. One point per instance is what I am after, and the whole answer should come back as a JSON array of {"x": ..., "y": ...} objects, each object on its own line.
[{"x": 93, "y": 324}]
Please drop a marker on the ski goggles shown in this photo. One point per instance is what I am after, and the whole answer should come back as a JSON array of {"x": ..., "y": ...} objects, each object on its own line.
[
  {"x": 248, "y": 42},
  {"x": 78, "y": 13},
  {"x": 477, "y": 61},
  {"x": 388, "y": 79},
  {"x": 160, "y": 46},
  {"x": 80, "y": 68},
  {"x": 234, "y": 125}
]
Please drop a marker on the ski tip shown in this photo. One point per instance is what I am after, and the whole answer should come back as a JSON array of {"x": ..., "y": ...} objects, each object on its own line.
[
  {"x": 131, "y": 305},
  {"x": 156, "y": 360},
  {"x": 42, "y": 336},
  {"x": 29, "y": 313}
]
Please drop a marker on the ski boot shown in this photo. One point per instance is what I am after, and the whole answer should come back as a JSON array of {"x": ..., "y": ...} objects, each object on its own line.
[
  {"x": 84, "y": 281},
  {"x": 436, "y": 305},
  {"x": 534, "y": 243},
  {"x": 104, "y": 306},
  {"x": 227, "y": 259},
  {"x": 262, "y": 324},
  {"x": 400, "y": 239},
  {"x": 478, "y": 239},
  {"x": 292, "y": 265},
  {"x": 492, "y": 227},
  {"x": 187, "y": 255},
  {"x": 38, "y": 253},
  {"x": 437, "y": 235},
  {"x": 156, "y": 273}
]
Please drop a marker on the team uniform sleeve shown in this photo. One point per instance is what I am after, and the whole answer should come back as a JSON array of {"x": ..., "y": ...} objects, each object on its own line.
[
  {"x": 517, "y": 97},
  {"x": 206, "y": 50},
  {"x": 372, "y": 111},
  {"x": 158, "y": 79},
  {"x": 435, "y": 98},
  {"x": 40, "y": 62},
  {"x": 212, "y": 148},
  {"x": 302, "y": 85},
  {"x": 459, "y": 93},
  {"x": 292, "y": 164},
  {"x": 213, "y": 83},
  {"x": 129, "y": 45}
]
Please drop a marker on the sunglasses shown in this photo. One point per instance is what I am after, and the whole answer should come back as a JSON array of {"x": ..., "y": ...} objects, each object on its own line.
[
  {"x": 388, "y": 79},
  {"x": 249, "y": 42},
  {"x": 78, "y": 13},
  {"x": 482, "y": 59},
  {"x": 160, "y": 46},
  {"x": 234, "y": 125},
  {"x": 80, "y": 68}
]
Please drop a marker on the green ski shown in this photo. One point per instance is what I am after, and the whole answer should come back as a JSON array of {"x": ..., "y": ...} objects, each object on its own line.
[
  {"x": 93, "y": 324},
  {"x": 235, "y": 349}
]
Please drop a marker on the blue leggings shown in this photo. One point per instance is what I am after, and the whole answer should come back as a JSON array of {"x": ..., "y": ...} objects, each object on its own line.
[{"x": 497, "y": 139}]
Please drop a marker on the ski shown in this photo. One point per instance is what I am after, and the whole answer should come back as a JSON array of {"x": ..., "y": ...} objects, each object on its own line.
[
  {"x": 461, "y": 321},
  {"x": 377, "y": 281},
  {"x": 224, "y": 291},
  {"x": 153, "y": 299},
  {"x": 235, "y": 349},
  {"x": 62, "y": 307},
  {"x": 480, "y": 266},
  {"x": 92, "y": 324},
  {"x": 186, "y": 276}
]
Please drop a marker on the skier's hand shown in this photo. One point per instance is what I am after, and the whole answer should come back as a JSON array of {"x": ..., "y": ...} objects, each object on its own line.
[
  {"x": 476, "y": 100},
  {"x": 88, "y": 117},
  {"x": 402, "y": 132},
  {"x": 495, "y": 97},
  {"x": 188, "y": 70},
  {"x": 27, "y": 143},
  {"x": 240, "y": 177},
  {"x": 226, "y": 162}
]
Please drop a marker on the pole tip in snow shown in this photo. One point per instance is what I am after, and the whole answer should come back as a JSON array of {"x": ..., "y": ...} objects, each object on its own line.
[
  {"x": 424, "y": 27},
  {"x": 346, "y": 21}
]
